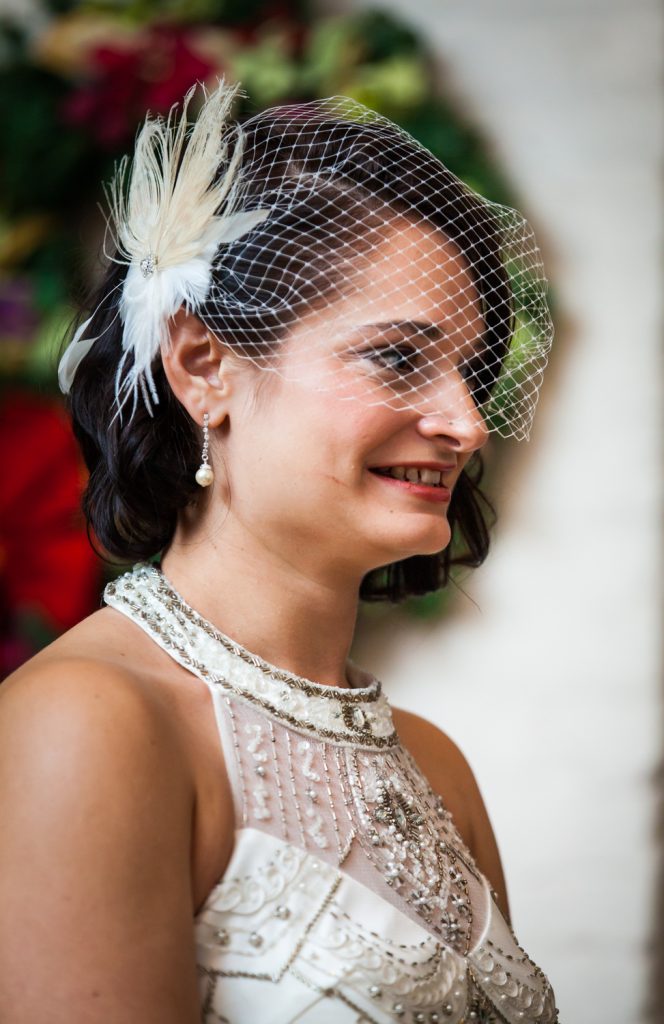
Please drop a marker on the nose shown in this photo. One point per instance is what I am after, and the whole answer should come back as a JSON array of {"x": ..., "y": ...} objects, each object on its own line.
[{"x": 460, "y": 424}]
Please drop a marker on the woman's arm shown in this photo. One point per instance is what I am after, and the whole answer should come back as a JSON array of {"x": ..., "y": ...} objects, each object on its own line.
[
  {"x": 96, "y": 920},
  {"x": 452, "y": 778}
]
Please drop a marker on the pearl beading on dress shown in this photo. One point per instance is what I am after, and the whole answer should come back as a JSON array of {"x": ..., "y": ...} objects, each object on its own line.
[
  {"x": 321, "y": 782},
  {"x": 361, "y": 714}
]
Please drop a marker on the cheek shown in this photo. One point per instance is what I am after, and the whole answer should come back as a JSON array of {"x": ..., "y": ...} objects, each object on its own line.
[
  {"x": 286, "y": 453},
  {"x": 305, "y": 448}
]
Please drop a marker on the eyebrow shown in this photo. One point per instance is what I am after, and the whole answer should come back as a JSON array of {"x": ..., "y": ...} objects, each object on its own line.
[{"x": 430, "y": 330}]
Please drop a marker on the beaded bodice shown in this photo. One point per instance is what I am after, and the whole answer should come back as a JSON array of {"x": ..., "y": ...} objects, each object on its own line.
[{"x": 349, "y": 887}]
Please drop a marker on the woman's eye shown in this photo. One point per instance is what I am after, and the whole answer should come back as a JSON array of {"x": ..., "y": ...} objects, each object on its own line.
[{"x": 402, "y": 358}]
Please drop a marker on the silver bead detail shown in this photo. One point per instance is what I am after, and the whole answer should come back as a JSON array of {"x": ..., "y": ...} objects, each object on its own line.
[
  {"x": 260, "y": 770},
  {"x": 398, "y": 1009},
  {"x": 375, "y": 991},
  {"x": 205, "y": 473},
  {"x": 222, "y": 937},
  {"x": 148, "y": 265},
  {"x": 255, "y": 940},
  {"x": 282, "y": 912}
]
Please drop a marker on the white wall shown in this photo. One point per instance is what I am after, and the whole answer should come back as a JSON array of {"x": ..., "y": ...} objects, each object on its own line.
[{"x": 550, "y": 683}]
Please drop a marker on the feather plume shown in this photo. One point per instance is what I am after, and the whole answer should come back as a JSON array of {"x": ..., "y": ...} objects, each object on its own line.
[
  {"x": 77, "y": 349},
  {"x": 169, "y": 216}
]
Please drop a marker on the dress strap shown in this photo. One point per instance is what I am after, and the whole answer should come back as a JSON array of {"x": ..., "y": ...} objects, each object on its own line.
[
  {"x": 132, "y": 598},
  {"x": 359, "y": 715}
]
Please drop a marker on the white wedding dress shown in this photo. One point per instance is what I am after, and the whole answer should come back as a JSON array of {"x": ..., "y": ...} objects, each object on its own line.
[{"x": 350, "y": 897}]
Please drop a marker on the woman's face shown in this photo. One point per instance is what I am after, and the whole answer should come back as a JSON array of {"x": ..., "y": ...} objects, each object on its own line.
[{"x": 307, "y": 450}]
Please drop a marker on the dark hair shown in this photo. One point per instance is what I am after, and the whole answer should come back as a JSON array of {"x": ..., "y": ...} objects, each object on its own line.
[{"x": 142, "y": 471}]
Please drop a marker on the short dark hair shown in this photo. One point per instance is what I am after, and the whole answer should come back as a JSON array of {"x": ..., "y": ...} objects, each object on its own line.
[{"x": 142, "y": 471}]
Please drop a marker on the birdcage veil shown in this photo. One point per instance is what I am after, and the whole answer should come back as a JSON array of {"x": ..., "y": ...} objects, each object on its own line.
[{"x": 326, "y": 224}]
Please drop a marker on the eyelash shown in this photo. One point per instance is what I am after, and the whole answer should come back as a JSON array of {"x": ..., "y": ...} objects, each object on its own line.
[
  {"x": 410, "y": 353},
  {"x": 404, "y": 351}
]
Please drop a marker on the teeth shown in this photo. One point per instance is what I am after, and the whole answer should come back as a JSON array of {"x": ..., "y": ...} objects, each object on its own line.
[{"x": 432, "y": 477}]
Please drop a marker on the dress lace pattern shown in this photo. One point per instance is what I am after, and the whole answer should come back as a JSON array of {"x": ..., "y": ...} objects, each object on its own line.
[{"x": 349, "y": 888}]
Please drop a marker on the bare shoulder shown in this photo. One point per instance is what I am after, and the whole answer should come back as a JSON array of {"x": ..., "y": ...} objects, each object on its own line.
[
  {"x": 95, "y": 846},
  {"x": 430, "y": 741},
  {"x": 82, "y": 697},
  {"x": 105, "y": 659},
  {"x": 84, "y": 708},
  {"x": 86, "y": 681},
  {"x": 106, "y": 637},
  {"x": 447, "y": 769}
]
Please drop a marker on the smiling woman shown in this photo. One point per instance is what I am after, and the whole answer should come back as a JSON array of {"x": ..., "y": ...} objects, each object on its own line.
[
  {"x": 364, "y": 227},
  {"x": 307, "y": 332}
]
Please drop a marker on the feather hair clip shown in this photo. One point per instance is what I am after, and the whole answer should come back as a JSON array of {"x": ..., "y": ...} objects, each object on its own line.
[{"x": 170, "y": 210}]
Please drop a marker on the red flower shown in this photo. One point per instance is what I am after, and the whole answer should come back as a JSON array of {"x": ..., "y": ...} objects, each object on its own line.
[
  {"x": 152, "y": 75},
  {"x": 49, "y": 574}
]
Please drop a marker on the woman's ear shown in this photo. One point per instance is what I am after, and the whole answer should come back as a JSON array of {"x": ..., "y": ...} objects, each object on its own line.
[{"x": 196, "y": 369}]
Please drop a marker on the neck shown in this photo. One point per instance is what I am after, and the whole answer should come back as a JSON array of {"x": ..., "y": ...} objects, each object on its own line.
[{"x": 298, "y": 616}]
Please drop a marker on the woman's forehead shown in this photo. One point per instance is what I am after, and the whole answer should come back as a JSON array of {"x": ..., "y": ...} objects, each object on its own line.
[{"x": 414, "y": 277}]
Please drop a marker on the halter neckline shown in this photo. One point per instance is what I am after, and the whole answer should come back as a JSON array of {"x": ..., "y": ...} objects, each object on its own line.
[
  {"x": 354, "y": 674},
  {"x": 359, "y": 714}
]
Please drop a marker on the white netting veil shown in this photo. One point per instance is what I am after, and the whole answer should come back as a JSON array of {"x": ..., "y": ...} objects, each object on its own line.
[{"x": 326, "y": 245}]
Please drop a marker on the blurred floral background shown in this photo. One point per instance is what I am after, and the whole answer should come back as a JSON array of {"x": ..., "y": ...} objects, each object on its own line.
[{"x": 76, "y": 79}]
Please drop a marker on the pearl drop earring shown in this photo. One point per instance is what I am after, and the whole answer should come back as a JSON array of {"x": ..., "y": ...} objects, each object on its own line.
[{"x": 205, "y": 472}]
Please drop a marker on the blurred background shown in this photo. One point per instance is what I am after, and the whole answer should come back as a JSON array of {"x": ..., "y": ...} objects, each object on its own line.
[{"x": 544, "y": 664}]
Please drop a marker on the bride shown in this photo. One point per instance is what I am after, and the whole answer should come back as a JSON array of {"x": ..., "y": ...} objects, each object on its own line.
[{"x": 306, "y": 333}]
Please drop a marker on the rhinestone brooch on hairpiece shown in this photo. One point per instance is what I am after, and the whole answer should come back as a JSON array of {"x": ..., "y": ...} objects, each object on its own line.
[{"x": 148, "y": 265}]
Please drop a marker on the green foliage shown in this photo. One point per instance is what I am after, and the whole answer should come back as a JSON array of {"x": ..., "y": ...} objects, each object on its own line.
[
  {"x": 227, "y": 12},
  {"x": 428, "y": 606},
  {"x": 39, "y": 161},
  {"x": 267, "y": 71},
  {"x": 459, "y": 145},
  {"x": 386, "y": 37}
]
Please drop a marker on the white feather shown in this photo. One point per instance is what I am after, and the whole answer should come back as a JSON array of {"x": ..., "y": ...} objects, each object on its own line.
[
  {"x": 167, "y": 206},
  {"x": 77, "y": 349}
]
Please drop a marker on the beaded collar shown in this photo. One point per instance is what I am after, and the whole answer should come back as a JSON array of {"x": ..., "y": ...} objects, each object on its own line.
[{"x": 360, "y": 715}]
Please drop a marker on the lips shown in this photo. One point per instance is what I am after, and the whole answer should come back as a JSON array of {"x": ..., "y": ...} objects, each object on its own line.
[{"x": 422, "y": 481}]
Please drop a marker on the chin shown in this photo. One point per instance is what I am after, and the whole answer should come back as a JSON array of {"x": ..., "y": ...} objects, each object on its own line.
[{"x": 430, "y": 541}]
